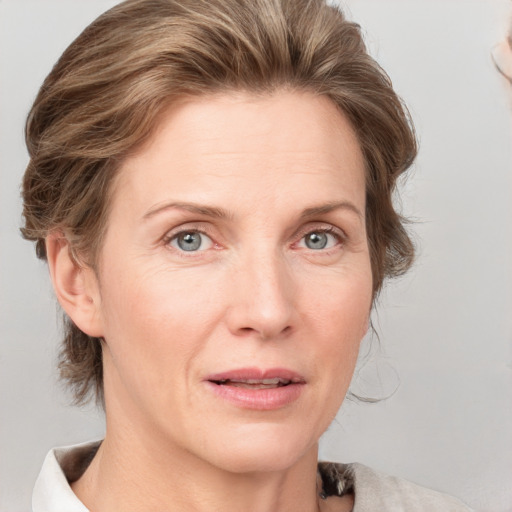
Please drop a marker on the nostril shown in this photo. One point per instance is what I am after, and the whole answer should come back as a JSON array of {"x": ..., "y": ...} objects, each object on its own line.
[{"x": 265, "y": 333}]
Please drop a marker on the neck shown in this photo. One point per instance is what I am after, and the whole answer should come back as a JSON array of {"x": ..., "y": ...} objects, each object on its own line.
[{"x": 140, "y": 474}]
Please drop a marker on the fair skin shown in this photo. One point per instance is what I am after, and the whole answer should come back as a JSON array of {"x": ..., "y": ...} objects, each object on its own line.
[{"x": 236, "y": 247}]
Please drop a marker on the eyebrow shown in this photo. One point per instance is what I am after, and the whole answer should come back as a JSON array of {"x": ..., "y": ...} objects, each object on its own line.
[
  {"x": 329, "y": 207},
  {"x": 221, "y": 213},
  {"x": 208, "y": 211}
]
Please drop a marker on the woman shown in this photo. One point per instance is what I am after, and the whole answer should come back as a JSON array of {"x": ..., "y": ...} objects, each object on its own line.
[{"x": 210, "y": 183}]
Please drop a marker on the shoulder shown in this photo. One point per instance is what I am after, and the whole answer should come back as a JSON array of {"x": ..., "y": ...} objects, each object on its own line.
[{"x": 376, "y": 491}]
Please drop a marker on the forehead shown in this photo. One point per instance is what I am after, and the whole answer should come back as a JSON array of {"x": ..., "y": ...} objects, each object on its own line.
[
  {"x": 238, "y": 120},
  {"x": 238, "y": 139}
]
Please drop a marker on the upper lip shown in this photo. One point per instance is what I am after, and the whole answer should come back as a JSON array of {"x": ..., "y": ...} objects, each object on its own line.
[{"x": 257, "y": 375}]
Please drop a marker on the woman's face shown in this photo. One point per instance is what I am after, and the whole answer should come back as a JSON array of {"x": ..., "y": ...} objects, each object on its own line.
[{"x": 234, "y": 281}]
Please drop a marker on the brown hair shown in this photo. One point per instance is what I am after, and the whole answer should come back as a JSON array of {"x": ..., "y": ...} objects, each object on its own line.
[{"x": 103, "y": 97}]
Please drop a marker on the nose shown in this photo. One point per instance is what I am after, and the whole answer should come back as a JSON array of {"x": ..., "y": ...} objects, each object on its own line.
[{"x": 263, "y": 297}]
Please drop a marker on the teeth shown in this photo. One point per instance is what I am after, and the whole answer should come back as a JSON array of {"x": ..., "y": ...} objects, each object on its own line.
[
  {"x": 264, "y": 382},
  {"x": 256, "y": 383}
]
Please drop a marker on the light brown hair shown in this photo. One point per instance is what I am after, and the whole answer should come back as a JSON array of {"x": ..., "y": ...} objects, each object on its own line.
[{"x": 103, "y": 98}]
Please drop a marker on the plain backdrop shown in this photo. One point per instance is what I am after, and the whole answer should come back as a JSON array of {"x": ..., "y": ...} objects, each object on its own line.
[{"x": 445, "y": 331}]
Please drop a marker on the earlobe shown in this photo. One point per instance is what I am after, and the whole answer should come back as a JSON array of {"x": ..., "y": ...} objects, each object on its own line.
[{"x": 75, "y": 285}]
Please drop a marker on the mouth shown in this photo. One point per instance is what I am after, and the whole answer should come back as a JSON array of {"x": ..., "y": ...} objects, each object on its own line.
[
  {"x": 277, "y": 382},
  {"x": 252, "y": 388}
]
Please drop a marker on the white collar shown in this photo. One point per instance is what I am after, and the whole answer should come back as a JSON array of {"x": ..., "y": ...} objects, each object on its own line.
[{"x": 52, "y": 492}]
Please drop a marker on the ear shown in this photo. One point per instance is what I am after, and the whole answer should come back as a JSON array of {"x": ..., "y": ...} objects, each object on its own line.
[{"x": 75, "y": 285}]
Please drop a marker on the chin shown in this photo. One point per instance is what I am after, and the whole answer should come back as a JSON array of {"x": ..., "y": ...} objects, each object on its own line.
[{"x": 261, "y": 448}]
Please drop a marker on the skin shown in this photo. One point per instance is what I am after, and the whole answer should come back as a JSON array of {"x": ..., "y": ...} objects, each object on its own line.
[{"x": 254, "y": 295}]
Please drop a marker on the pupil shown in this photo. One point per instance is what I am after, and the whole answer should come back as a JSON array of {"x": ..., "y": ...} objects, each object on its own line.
[
  {"x": 189, "y": 241},
  {"x": 316, "y": 240}
]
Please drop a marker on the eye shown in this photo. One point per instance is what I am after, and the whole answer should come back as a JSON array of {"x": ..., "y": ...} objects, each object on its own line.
[
  {"x": 191, "y": 241},
  {"x": 318, "y": 240}
]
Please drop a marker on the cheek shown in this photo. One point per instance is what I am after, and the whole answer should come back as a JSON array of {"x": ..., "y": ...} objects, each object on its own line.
[
  {"x": 341, "y": 303},
  {"x": 338, "y": 321},
  {"x": 340, "y": 318},
  {"x": 156, "y": 318}
]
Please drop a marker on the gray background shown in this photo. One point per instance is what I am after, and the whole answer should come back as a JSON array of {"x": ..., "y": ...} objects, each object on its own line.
[{"x": 445, "y": 329}]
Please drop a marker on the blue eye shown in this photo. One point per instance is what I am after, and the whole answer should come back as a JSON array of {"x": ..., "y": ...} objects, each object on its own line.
[
  {"x": 191, "y": 241},
  {"x": 318, "y": 240}
]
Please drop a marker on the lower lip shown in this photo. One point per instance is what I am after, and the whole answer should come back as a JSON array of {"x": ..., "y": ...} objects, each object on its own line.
[{"x": 258, "y": 399}]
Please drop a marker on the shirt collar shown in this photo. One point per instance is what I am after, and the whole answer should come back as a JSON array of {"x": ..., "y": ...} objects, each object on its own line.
[{"x": 52, "y": 492}]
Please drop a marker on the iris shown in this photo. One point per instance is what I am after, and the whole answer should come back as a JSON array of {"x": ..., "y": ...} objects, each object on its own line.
[
  {"x": 189, "y": 241},
  {"x": 316, "y": 240}
]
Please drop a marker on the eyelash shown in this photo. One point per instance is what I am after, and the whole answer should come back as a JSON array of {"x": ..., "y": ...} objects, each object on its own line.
[
  {"x": 331, "y": 230},
  {"x": 169, "y": 237}
]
